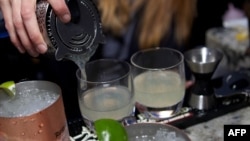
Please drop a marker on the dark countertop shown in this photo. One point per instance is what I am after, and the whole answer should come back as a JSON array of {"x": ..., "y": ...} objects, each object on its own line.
[{"x": 213, "y": 130}]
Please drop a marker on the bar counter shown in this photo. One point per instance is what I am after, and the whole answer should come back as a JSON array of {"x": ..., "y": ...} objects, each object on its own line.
[{"x": 213, "y": 130}]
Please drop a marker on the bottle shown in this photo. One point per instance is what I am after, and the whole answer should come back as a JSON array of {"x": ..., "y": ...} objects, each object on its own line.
[{"x": 234, "y": 18}]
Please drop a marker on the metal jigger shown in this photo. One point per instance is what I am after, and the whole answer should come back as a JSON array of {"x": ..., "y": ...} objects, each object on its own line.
[{"x": 202, "y": 62}]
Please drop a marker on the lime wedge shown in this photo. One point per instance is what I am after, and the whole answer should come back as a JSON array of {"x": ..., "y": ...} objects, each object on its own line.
[
  {"x": 241, "y": 36},
  {"x": 9, "y": 88},
  {"x": 110, "y": 130}
]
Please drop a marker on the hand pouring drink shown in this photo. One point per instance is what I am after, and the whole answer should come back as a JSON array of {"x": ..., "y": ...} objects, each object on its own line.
[
  {"x": 36, "y": 113},
  {"x": 76, "y": 41}
]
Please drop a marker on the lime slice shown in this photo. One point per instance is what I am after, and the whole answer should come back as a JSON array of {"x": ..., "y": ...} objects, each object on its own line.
[
  {"x": 110, "y": 130},
  {"x": 9, "y": 88}
]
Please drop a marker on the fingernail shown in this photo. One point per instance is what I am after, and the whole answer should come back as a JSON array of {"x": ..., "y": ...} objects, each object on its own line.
[
  {"x": 66, "y": 17},
  {"x": 33, "y": 53},
  {"x": 20, "y": 49},
  {"x": 41, "y": 48}
]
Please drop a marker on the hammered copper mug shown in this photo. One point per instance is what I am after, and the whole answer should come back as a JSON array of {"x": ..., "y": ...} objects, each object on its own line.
[{"x": 47, "y": 123}]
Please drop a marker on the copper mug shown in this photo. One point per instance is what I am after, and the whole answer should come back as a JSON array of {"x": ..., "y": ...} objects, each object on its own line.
[{"x": 46, "y": 124}]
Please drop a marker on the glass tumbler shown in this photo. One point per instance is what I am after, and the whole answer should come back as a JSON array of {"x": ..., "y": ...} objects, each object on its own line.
[
  {"x": 105, "y": 90},
  {"x": 159, "y": 82}
]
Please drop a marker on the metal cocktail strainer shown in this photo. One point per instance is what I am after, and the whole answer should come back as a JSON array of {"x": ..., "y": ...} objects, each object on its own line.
[{"x": 80, "y": 36}]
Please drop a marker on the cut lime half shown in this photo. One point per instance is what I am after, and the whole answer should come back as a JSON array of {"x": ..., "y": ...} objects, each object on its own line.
[
  {"x": 110, "y": 130},
  {"x": 9, "y": 88}
]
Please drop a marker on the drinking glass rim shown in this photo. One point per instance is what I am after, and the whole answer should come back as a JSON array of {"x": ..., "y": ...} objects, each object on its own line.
[
  {"x": 157, "y": 48},
  {"x": 78, "y": 71}
]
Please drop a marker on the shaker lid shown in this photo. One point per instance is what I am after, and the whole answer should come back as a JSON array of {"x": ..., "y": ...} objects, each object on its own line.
[{"x": 81, "y": 34}]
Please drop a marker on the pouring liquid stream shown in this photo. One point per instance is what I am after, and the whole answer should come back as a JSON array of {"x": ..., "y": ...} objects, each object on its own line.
[{"x": 81, "y": 59}]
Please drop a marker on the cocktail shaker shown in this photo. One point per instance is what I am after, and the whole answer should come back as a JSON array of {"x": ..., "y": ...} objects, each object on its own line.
[{"x": 80, "y": 36}]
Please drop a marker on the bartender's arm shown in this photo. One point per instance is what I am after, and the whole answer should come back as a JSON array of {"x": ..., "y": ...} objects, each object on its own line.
[{"x": 21, "y": 23}]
